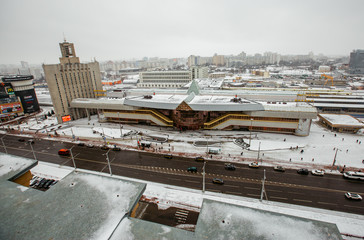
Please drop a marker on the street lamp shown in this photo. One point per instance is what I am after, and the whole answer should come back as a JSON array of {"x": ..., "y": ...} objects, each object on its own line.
[
  {"x": 203, "y": 177},
  {"x": 6, "y": 151},
  {"x": 121, "y": 133},
  {"x": 108, "y": 161},
  {"x": 263, "y": 189},
  {"x": 251, "y": 126},
  {"x": 73, "y": 159},
  {"x": 31, "y": 146},
  {"x": 333, "y": 163}
]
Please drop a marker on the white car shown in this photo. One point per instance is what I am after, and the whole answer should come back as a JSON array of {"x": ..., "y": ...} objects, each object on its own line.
[
  {"x": 318, "y": 172},
  {"x": 254, "y": 165},
  {"x": 354, "y": 196}
]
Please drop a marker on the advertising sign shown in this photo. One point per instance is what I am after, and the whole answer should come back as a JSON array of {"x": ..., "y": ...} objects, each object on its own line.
[
  {"x": 11, "y": 108},
  {"x": 66, "y": 118}
]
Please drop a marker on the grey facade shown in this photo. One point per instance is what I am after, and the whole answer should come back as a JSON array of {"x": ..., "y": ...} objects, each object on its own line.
[{"x": 356, "y": 63}]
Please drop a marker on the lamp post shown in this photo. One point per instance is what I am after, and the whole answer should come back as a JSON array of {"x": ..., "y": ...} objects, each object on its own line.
[
  {"x": 108, "y": 161},
  {"x": 203, "y": 177},
  {"x": 73, "y": 159},
  {"x": 251, "y": 126},
  {"x": 333, "y": 163},
  {"x": 6, "y": 151},
  {"x": 121, "y": 133},
  {"x": 31, "y": 146},
  {"x": 263, "y": 189}
]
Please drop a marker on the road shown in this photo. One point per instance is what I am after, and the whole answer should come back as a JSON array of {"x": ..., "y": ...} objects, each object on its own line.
[{"x": 325, "y": 192}]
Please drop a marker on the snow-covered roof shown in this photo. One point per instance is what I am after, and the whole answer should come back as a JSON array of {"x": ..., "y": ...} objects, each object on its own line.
[
  {"x": 338, "y": 105},
  {"x": 341, "y": 119},
  {"x": 239, "y": 222},
  {"x": 80, "y": 206},
  {"x": 223, "y": 103},
  {"x": 288, "y": 107},
  {"x": 158, "y": 101}
]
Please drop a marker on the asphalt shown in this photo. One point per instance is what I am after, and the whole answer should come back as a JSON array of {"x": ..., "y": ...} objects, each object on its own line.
[{"x": 325, "y": 192}]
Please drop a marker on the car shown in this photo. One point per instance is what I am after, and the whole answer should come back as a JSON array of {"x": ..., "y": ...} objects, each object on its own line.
[
  {"x": 192, "y": 169},
  {"x": 64, "y": 152},
  {"x": 318, "y": 172},
  {"x": 199, "y": 159},
  {"x": 81, "y": 144},
  {"x": 168, "y": 156},
  {"x": 217, "y": 181},
  {"x": 21, "y": 140},
  {"x": 254, "y": 165},
  {"x": 229, "y": 166},
  {"x": 279, "y": 169},
  {"x": 104, "y": 147},
  {"x": 303, "y": 171},
  {"x": 48, "y": 183},
  {"x": 116, "y": 149},
  {"x": 90, "y": 145},
  {"x": 353, "y": 196}
]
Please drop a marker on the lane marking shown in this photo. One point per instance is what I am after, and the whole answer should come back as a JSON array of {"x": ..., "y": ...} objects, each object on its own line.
[
  {"x": 233, "y": 186},
  {"x": 327, "y": 203},
  {"x": 191, "y": 181},
  {"x": 253, "y": 195},
  {"x": 278, "y": 198},
  {"x": 235, "y": 193},
  {"x": 353, "y": 206},
  {"x": 301, "y": 200},
  {"x": 252, "y": 188},
  {"x": 272, "y": 190}
]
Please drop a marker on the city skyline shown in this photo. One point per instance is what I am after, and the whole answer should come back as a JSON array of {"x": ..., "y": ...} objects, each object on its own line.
[{"x": 132, "y": 30}]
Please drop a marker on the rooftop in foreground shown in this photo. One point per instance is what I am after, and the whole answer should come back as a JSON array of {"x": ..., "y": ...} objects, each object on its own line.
[{"x": 89, "y": 206}]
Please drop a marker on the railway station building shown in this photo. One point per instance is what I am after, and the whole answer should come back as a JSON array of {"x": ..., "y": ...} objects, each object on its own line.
[{"x": 195, "y": 110}]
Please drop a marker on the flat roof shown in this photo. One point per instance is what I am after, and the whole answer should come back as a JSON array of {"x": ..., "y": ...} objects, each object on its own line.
[
  {"x": 80, "y": 206},
  {"x": 337, "y": 105},
  {"x": 341, "y": 119}
]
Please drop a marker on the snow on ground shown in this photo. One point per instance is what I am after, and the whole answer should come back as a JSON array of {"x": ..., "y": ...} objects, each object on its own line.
[{"x": 319, "y": 148}]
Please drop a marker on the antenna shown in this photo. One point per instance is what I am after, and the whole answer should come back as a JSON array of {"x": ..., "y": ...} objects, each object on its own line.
[{"x": 64, "y": 38}]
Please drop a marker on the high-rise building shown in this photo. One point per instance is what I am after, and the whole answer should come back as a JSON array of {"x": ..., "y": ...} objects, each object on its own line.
[
  {"x": 218, "y": 60},
  {"x": 356, "y": 63},
  {"x": 71, "y": 79}
]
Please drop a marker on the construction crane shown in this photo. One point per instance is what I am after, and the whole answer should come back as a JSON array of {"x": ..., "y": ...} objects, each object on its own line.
[{"x": 327, "y": 79}]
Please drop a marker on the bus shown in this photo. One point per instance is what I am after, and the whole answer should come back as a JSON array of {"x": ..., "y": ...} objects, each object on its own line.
[{"x": 354, "y": 175}]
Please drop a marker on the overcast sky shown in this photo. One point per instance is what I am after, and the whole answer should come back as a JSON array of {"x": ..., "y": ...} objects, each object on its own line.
[{"x": 123, "y": 30}]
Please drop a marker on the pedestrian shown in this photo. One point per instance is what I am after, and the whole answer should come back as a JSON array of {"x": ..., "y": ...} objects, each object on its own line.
[
  {"x": 284, "y": 140},
  {"x": 357, "y": 140},
  {"x": 241, "y": 153},
  {"x": 302, "y": 151},
  {"x": 313, "y": 159},
  {"x": 333, "y": 149},
  {"x": 301, "y": 158},
  {"x": 263, "y": 154},
  {"x": 291, "y": 160},
  {"x": 323, "y": 135},
  {"x": 347, "y": 150},
  {"x": 335, "y": 134},
  {"x": 342, "y": 139}
]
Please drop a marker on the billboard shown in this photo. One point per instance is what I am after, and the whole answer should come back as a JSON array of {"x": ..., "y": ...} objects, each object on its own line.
[
  {"x": 11, "y": 107},
  {"x": 66, "y": 118}
]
